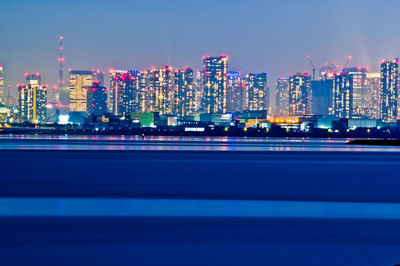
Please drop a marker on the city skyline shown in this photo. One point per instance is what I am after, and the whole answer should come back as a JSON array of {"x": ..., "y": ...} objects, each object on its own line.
[{"x": 247, "y": 34}]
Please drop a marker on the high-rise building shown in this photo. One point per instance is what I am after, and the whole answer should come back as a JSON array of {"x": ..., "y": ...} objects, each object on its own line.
[
  {"x": 282, "y": 96},
  {"x": 389, "y": 90},
  {"x": 184, "y": 93},
  {"x": 342, "y": 98},
  {"x": 321, "y": 100},
  {"x": 79, "y": 80},
  {"x": 161, "y": 93},
  {"x": 234, "y": 93},
  {"x": 359, "y": 79},
  {"x": 2, "y": 95},
  {"x": 32, "y": 100},
  {"x": 198, "y": 91},
  {"x": 256, "y": 91},
  {"x": 300, "y": 94},
  {"x": 214, "y": 84},
  {"x": 372, "y": 109},
  {"x": 96, "y": 99},
  {"x": 127, "y": 92}
]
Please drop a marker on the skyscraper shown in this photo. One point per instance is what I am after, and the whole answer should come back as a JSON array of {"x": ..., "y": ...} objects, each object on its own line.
[
  {"x": 96, "y": 99},
  {"x": 79, "y": 80},
  {"x": 32, "y": 100},
  {"x": 389, "y": 90},
  {"x": 358, "y": 83},
  {"x": 184, "y": 93},
  {"x": 256, "y": 91},
  {"x": 2, "y": 95},
  {"x": 161, "y": 83},
  {"x": 214, "y": 86},
  {"x": 342, "y": 98},
  {"x": 127, "y": 91},
  {"x": 300, "y": 94},
  {"x": 321, "y": 100},
  {"x": 234, "y": 92},
  {"x": 282, "y": 96},
  {"x": 372, "y": 109}
]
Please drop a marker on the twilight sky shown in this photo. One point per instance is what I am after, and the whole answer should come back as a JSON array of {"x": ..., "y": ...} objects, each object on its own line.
[{"x": 258, "y": 35}]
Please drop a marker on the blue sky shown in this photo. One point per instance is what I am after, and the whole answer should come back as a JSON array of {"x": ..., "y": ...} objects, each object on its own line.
[{"x": 258, "y": 35}]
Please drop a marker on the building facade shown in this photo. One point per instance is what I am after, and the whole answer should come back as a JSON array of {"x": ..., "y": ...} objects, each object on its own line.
[
  {"x": 183, "y": 93},
  {"x": 96, "y": 99},
  {"x": 32, "y": 100},
  {"x": 282, "y": 96},
  {"x": 300, "y": 94},
  {"x": 235, "y": 95},
  {"x": 342, "y": 98},
  {"x": 79, "y": 80},
  {"x": 256, "y": 91},
  {"x": 389, "y": 90},
  {"x": 321, "y": 100},
  {"x": 161, "y": 90},
  {"x": 214, "y": 84},
  {"x": 359, "y": 85},
  {"x": 128, "y": 92}
]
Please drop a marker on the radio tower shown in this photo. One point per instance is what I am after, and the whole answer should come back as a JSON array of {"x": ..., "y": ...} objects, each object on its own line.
[{"x": 60, "y": 71}]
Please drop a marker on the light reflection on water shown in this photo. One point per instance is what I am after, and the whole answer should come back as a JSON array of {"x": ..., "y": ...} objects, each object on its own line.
[{"x": 170, "y": 143}]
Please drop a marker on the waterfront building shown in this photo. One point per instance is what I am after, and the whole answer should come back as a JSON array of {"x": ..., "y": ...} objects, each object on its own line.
[
  {"x": 161, "y": 90},
  {"x": 372, "y": 85},
  {"x": 235, "y": 95},
  {"x": 214, "y": 84},
  {"x": 282, "y": 96},
  {"x": 183, "y": 93},
  {"x": 32, "y": 100},
  {"x": 321, "y": 99},
  {"x": 128, "y": 92},
  {"x": 358, "y": 84},
  {"x": 96, "y": 99},
  {"x": 300, "y": 94},
  {"x": 389, "y": 90},
  {"x": 342, "y": 104},
  {"x": 79, "y": 80},
  {"x": 256, "y": 91}
]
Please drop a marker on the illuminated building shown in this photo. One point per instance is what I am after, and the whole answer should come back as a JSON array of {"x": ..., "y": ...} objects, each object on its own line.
[
  {"x": 96, "y": 99},
  {"x": 79, "y": 80},
  {"x": 321, "y": 100},
  {"x": 388, "y": 89},
  {"x": 214, "y": 84},
  {"x": 161, "y": 93},
  {"x": 32, "y": 100},
  {"x": 358, "y": 79},
  {"x": 256, "y": 91},
  {"x": 299, "y": 94},
  {"x": 198, "y": 92},
  {"x": 372, "y": 95},
  {"x": 2, "y": 96},
  {"x": 127, "y": 92},
  {"x": 184, "y": 93},
  {"x": 342, "y": 97},
  {"x": 234, "y": 93},
  {"x": 282, "y": 96}
]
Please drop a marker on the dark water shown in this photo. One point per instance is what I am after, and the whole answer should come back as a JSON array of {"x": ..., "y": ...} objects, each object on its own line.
[{"x": 75, "y": 200}]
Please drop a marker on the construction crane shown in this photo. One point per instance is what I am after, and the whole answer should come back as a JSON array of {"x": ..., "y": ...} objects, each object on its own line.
[
  {"x": 313, "y": 67},
  {"x": 347, "y": 62}
]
